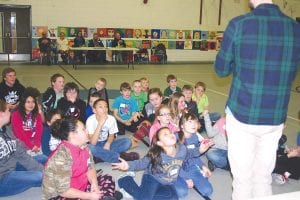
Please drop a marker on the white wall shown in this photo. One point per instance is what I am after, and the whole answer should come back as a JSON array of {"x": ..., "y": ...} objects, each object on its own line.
[{"x": 169, "y": 14}]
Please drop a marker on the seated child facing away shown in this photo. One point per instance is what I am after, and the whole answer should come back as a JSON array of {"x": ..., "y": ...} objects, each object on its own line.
[
  {"x": 162, "y": 165},
  {"x": 193, "y": 170},
  {"x": 70, "y": 170},
  {"x": 102, "y": 129},
  {"x": 145, "y": 84},
  {"x": 172, "y": 86},
  {"x": 100, "y": 88},
  {"x": 49, "y": 142},
  {"x": 138, "y": 94},
  {"x": 125, "y": 110},
  {"x": 217, "y": 155},
  {"x": 163, "y": 119}
]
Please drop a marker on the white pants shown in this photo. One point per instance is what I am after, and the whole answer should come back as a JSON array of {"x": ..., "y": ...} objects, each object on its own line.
[{"x": 252, "y": 157}]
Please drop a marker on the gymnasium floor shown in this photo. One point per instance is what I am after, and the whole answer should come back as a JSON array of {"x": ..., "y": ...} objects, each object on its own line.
[{"x": 217, "y": 91}]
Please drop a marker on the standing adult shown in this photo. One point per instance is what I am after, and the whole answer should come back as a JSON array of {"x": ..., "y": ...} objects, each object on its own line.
[
  {"x": 261, "y": 50},
  {"x": 10, "y": 88}
]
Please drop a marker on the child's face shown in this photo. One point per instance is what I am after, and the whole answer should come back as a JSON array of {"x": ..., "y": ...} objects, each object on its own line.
[
  {"x": 173, "y": 83},
  {"x": 71, "y": 95},
  {"x": 190, "y": 126},
  {"x": 155, "y": 100},
  {"x": 10, "y": 78},
  {"x": 29, "y": 104},
  {"x": 58, "y": 85},
  {"x": 125, "y": 93},
  {"x": 54, "y": 118},
  {"x": 99, "y": 85},
  {"x": 5, "y": 116},
  {"x": 145, "y": 84},
  {"x": 166, "y": 138},
  {"x": 137, "y": 87},
  {"x": 101, "y": 108},
  {"x": 181, "y": 104},
  {"x": 187, "y": 94},
  {"x": 92, "y": 100},
  {"x": 199, "y": 91},
  {"x": 81, "y": 134},
  {"x": 164, "y": 116}
]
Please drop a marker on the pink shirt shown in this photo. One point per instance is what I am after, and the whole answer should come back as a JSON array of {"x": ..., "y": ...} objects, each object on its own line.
[
  {"x": 156, "y": 126},
  {"x": 28, "y": 131}
]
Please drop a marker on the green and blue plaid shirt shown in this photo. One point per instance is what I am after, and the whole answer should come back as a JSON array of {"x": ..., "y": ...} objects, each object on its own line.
[{"x": 261, "y": 50}]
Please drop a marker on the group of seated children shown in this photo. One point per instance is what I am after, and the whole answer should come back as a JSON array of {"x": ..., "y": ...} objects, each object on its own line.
[{"x": 66, "y": 136}]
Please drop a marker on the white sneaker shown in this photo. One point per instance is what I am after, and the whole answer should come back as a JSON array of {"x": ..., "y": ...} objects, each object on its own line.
[
  {"x": 130, "y": 173},
  {"x": 125, "y": 194}
]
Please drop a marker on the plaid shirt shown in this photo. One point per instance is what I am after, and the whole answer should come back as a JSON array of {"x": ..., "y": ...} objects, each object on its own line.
[{"x": 262, "y": 50}]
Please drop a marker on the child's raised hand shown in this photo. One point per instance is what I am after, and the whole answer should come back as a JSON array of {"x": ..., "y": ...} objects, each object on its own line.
[
  {"x": 205, "y": 145},
  {"x": 122, "y": 165},
  {"x": 205, "y": 112},
  {"x": 205, "y": 171}
]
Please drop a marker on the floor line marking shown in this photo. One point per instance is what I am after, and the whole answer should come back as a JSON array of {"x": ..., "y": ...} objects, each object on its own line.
[{"x": 76, "y": 80}]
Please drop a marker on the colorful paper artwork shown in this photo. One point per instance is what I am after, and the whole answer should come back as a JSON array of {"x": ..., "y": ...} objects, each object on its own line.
[
  {"x": 197, "y": 35},
  {"x": 196, "y": 45},
  {"x": 64, "y": 30},
  {"x": 171, "y": 45},
  {"x": 91, "y": 32},
  {"x": 52, "y": 32},
  {"x": 110, "y": 32},
  {"x": 146, "y": 33},
  {"x": 128, "y": 33},
  {"x": 204, "y": 35},
  {"x": 180, "y": 34},
  {"x": 180, "y": 44},
  {"x": 84, "y": 31},
  {"x": 102, "y": 32},
  {"x": 155, "y": 33},
  {"x": 164, "y": 34},
  {"x": 203, "y": 45},
  {"x": 172, "y": 34},
  {"x": 137, "y": 44},
  {"x": 121, "y": 31},
  {"x": 146, "y": 44},
  {"x": 188, "y": 44},
  {"x": 137, "y": 33}
]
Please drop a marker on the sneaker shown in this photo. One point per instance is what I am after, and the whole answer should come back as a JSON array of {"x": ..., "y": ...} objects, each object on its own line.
[
  {"x": 211, "y": 166},
  {"x": 279, "y": 179},
  {"x": 125, "y": 194},
  {"x": 130, "y": 156}
]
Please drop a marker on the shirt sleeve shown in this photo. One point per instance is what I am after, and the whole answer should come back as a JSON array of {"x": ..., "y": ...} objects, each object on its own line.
[
  {"x": 57, "y": 175},
  {"x": 114, "y": 127}
]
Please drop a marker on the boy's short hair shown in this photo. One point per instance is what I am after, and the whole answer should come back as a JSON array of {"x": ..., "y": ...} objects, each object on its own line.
[
  {"x": 188, "y": 87},
  {"x": 155, "y": 90},
  {"x": 171, "y": 77},
  {"x": 98, "y": 100},
  {"x": 71, "y": 86},
  {"x": 95, "y": 94},
  {"x": 102, "y": 80},
  {"x": 144, "y": 79},
  {"x": 7, "y": 70},
  {"x": 136, "y": 81},
  {"x": 125, "y": 86},
  {"x": 55, "y": 76},
  {"x": 200, "y": 84}
]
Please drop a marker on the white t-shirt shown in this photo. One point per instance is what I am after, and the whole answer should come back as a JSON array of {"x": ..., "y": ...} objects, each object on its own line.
[{"x": 109, "y": 127}]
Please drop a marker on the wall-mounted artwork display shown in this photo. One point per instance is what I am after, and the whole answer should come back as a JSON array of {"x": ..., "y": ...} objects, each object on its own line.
[
  {"x": 172, "y": 45},
  {"x": 128, "y": 33},
  {"x": 172, "y": 34},
  {"x": 139, "y": 38},
  {"x": 111, "y": 32},
  {"x": 146, "y": 33},
  {"x": 137, "y": 33},
  {"x": 180, "y": 44},
  {"x": 155, "y": 33},
  {"x": 164, "y": 34},
  {"x": 197, "y": 35}
]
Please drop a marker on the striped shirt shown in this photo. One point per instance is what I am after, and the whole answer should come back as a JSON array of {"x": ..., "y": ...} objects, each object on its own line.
[{"x": 261, "y": 50}]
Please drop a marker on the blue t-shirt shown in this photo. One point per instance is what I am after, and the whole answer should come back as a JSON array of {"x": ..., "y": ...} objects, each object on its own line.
[{"x": 125, "y": 107}]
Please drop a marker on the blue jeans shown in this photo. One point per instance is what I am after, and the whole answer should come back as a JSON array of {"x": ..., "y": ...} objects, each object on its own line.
[
  {"x": 298, "y": 139},
  {"x": 150, "y": 188},
  {"x": 18, "y": 181},
  {"x": 201, "y": 183},
  {"x": 117, "y": 146},
  {"x": 218, "y": 157}
]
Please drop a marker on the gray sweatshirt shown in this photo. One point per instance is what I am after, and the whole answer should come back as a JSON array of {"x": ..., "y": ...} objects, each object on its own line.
[
  {"x": 216, "y": 133},
  {"x": 168, "y": 171},
  {"x": 13, "y": 151}
]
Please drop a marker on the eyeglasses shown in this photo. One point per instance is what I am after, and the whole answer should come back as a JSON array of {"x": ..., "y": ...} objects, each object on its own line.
[{"x": 165, "y": 114}]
